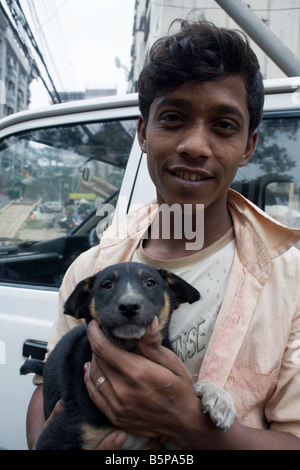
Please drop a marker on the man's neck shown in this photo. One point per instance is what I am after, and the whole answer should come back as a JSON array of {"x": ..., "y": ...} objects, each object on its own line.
[{"x": 172, "y": 237}]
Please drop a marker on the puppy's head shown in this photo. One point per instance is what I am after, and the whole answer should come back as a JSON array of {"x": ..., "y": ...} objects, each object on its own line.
[{"x": 125, "y": 298}]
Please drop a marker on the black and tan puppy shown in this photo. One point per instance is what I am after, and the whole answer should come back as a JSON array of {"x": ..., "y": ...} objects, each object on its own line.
[{"x": 124, "y": 299}]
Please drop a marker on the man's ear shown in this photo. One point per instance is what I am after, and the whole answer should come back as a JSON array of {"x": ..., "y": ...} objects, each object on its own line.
[
  {"x": 183, "y": 291},
  {"x": 249, "y": 150},
  {"x": 141, "y": 131},
  {"x": 77, "y": 304}
]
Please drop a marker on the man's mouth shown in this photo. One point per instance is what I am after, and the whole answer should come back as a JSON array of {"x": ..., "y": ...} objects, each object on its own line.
[{"x": 190, "y": 176}]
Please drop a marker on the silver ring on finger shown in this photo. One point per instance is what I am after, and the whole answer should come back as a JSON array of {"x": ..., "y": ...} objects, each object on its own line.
[{"x": 99, "y": 382}]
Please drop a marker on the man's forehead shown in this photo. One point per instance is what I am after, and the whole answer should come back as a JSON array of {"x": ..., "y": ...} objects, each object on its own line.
[{"x": 227, "y": 95}]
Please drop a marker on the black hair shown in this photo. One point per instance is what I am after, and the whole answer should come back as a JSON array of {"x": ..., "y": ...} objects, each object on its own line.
[{"x": 198, "y": 53}]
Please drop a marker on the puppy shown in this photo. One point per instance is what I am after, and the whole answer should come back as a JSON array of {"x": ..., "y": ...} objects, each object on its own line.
[{"x": 124, "y": 299}]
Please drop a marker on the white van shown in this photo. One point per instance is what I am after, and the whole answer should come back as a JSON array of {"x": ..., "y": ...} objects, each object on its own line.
[{"x": 65, "y": 162}]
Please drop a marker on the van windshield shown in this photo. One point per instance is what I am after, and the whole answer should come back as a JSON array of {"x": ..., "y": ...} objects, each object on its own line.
[{"x": 51, "y": 182}]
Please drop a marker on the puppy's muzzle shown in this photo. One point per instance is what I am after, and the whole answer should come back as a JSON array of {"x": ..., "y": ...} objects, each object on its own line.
[
  {"x": 129, "y": 305},
  {"x": 130, "y": 309}
]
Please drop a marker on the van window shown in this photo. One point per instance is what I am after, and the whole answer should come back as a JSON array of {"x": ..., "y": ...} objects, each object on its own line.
[
  {"x": 272, "y": 177},
  {"x": 51, "y": 182}
]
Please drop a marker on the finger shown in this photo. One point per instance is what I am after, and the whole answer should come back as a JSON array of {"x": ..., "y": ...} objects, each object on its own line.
[
  {"x": 151, "y": 347},
  {"x": 100, "y": 344},
  {"x": 106, "y": 352},
  {"x": 98, "y": 381},
  {"x": 58, "y": 408},
  {"x": 114, "y": 441},
  {"x": 94, "y": 372},
  {"x": 95, "y": 395},
  {"x": 102, "y": 396}
]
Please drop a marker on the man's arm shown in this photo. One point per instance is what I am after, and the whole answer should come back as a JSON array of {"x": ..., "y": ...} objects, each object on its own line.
[
  {"x": 35, "y": 421},
  {"x": 154, "y": 396}
]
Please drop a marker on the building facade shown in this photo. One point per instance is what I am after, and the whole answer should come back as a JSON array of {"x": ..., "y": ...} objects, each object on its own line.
[
  {"x": 15, "y": 73},
  {"x": 153, "y": 18}
]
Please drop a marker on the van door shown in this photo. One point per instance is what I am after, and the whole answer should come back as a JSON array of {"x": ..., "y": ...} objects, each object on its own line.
[{"x": 54, "y": 174}]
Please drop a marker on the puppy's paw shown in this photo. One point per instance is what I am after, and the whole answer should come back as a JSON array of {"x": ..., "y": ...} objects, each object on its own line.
[{"x": 217, "y": 403}]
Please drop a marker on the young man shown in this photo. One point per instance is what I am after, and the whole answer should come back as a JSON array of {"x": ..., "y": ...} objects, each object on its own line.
[{"x": 201, "y": 99}]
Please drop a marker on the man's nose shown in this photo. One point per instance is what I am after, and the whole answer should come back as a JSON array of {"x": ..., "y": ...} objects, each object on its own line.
[{"x": 195, "y": 142}]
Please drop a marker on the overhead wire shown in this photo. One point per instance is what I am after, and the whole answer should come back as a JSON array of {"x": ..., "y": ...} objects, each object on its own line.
[
  {"x": 43, "y": 43},
  {"x": 17, "y": 34},
  {"x": 54, "y": 14},
  {"x": 21, "y": 21},
  {"x": 49, "y": 28},
  {"x": 28, "y": 30},
  {"x": 66, "y": 65}
]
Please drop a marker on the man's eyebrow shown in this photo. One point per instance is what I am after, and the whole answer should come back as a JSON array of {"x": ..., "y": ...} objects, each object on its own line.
[
  {"x": 228, "y": 109},
  {"x": 172, "y": 102},
  {"x": 222, "y": 108}
]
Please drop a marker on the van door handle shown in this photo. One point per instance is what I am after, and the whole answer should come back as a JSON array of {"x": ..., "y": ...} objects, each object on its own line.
[{"x": 34, "y": 349}]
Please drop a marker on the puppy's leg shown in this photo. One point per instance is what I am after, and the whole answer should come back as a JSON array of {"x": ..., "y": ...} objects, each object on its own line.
[
  {"x": 217, "y": 403},
  {"x": 91, "y": 436}
]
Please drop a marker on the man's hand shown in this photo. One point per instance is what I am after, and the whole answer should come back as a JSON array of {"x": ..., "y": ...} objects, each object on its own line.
[{"x": 145, "y": 395}]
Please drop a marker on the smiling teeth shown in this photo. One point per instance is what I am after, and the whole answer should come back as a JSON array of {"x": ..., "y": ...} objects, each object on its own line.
[{"x": 189, "y": 176}]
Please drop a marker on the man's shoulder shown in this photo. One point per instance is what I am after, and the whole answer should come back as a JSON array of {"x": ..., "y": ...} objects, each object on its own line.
[
  {"x": 252, "y": 224},
  {"x": 83, "y": 266},
  {"x": 130, "y": 225}
]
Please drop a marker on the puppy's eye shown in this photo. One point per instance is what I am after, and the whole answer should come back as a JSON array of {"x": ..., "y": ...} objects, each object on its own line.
[
  {"x": 150, "y": 282},
  {"x": 107, "y": 285}
]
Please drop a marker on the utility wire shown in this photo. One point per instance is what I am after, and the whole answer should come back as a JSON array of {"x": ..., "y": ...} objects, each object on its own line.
[
  {"x": 43, "y": 40},
  {"x": 48, "y": 30},
  {"x": 33, "y": 42},
  {"x": 22, "y": 19},
  {"x": 54, "y": 14},
  {"x": 24, "y": 49}
]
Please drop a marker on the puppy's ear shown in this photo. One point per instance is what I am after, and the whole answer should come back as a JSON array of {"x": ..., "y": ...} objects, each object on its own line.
[
  {"x": 77, "y": 305},
  {"x": 183, "y": 291}
]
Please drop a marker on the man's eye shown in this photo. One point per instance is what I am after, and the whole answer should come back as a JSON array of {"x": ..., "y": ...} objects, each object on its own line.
[
  {"x": 171, "y": 117},
  {"x": 226, "y": 125}
]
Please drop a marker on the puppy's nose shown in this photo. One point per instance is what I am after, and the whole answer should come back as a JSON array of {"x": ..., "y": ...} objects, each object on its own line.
[{"x": 129, "y": 305}]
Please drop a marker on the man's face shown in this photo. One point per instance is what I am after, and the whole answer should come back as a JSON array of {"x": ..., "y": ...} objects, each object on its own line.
[{"x": 195, "y": 140}]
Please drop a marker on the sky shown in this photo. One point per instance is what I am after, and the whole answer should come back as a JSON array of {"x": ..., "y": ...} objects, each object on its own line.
[{"x": 81, "y": 39}]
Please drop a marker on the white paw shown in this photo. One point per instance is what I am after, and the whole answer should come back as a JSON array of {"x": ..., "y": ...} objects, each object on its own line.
[{"x": 217, "y": 403}]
